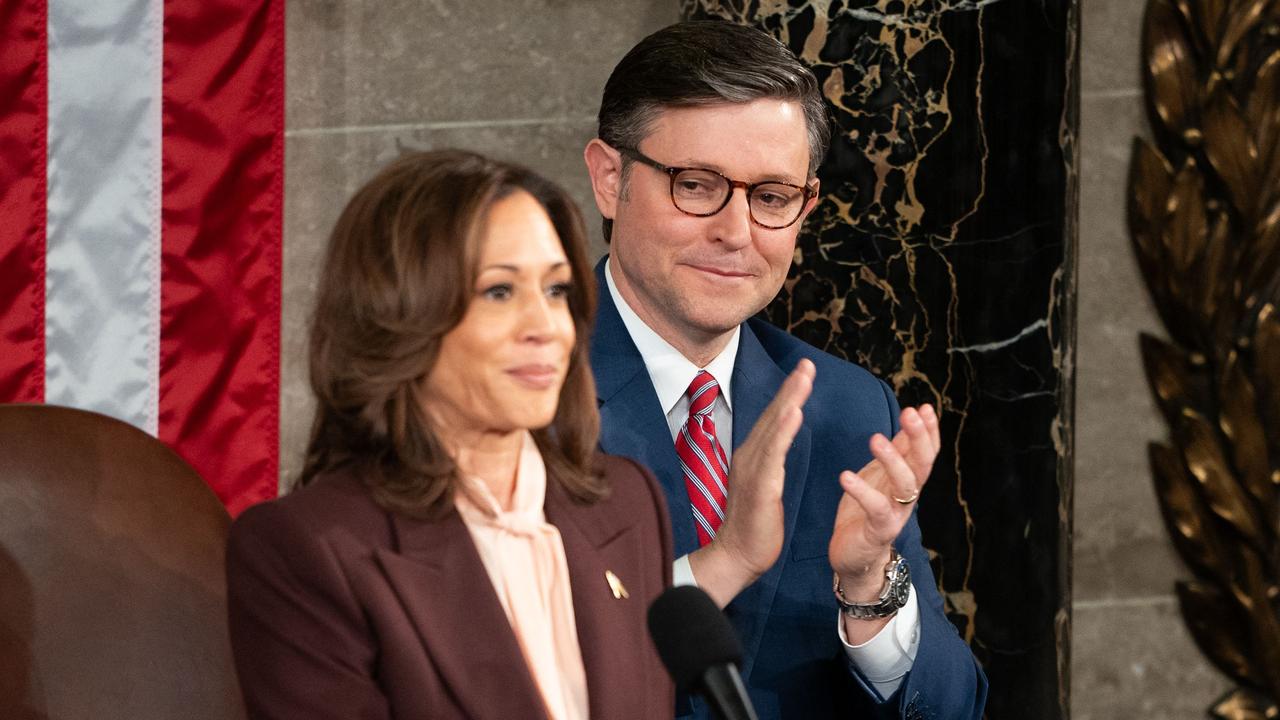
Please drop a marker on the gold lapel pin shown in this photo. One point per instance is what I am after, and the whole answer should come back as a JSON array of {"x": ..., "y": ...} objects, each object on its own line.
[{"x": 619, "y": 590}]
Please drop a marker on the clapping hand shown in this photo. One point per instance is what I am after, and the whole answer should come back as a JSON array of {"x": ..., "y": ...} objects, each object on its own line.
[
  {"x": 750, "y": 538},
  {"x": 878, "y": 501}
]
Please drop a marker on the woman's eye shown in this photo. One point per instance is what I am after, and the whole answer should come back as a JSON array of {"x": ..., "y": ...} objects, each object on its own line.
[
  {"x": 559, "y": 290},
  {"x": 498, "y": 292}
]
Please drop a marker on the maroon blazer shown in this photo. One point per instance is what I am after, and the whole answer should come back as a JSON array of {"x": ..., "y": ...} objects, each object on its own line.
[{"x": 341, "y": 609}]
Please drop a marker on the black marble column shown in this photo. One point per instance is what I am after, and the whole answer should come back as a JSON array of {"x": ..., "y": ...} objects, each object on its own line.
[{"x": 942, "y": 257}]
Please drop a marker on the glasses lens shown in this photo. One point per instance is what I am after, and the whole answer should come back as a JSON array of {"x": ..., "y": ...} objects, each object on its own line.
[
  {"x": 776, "y": 205},
  {"x": 699, "y": 192}
]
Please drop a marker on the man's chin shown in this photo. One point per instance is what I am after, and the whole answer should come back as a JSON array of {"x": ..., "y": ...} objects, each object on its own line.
[
  {"x": 708, "y": 316},
  {"x": 717, "y": 324}
]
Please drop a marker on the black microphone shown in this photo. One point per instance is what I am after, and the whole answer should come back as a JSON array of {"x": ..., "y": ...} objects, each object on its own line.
[{"x": 701, "y": 651}]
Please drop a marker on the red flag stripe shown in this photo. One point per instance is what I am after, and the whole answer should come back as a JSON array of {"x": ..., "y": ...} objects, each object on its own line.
[
  {"x": 23, "y": 113},
  {"x": 222, "y": 180}
]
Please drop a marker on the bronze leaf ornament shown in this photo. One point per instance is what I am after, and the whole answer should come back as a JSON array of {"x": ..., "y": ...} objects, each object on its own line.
[{"x": 1204, "y": 222}]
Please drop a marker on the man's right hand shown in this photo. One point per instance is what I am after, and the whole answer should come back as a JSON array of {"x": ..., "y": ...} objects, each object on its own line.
[{"x": 750, "y": 538}]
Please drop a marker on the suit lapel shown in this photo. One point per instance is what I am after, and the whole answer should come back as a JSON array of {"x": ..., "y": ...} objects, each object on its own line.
[
  {"x": 756, "y": 380},
  {"x": 610, "y": 630},
  {"x": 445, "y": 590},
  {"x": 632, "y": 423}
]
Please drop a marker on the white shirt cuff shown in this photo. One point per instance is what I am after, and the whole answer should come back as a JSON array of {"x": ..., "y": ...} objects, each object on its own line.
[
  {"x": 887, "y": 657},
  {"x": 682, "y": 572}
]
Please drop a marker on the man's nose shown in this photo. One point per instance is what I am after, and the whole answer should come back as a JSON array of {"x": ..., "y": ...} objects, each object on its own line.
[{"x": 733, "y": 222}]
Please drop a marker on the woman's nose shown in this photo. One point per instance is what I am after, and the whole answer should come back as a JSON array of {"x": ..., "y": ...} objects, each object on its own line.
[{"x": 537, "y": 318}]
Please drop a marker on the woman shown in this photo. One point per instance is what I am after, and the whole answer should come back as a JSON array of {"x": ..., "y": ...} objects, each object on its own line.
[{"x": 456, "y": 549}]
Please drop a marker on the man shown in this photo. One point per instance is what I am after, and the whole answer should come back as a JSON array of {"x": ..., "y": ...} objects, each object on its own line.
[{"x": 710, "y": 135}]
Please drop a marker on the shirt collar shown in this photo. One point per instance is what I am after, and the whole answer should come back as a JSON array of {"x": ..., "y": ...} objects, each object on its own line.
[{"x": 670, "y": 371}]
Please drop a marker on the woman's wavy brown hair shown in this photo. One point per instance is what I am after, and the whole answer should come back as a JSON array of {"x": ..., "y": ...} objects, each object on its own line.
[{"x": 398, "y": 275}]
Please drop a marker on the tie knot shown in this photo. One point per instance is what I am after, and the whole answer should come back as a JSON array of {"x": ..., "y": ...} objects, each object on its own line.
[{"x": 702, "y": 393}]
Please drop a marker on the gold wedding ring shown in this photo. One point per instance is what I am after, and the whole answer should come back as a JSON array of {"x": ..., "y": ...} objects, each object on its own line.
[{"x": 907, "y": 501}]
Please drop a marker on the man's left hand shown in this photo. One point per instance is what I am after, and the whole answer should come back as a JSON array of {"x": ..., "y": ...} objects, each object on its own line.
[{"x": 878, "y": 500}]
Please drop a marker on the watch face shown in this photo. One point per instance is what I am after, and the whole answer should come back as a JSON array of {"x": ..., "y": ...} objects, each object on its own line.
[
  {"x": 901, "y": 591},
  {"x": 900, "y": 584},
  {"x": 895, "y": 594}
]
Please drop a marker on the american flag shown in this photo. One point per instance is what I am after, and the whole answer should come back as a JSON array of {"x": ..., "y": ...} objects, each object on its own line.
[{"x": 141, "y": 167}]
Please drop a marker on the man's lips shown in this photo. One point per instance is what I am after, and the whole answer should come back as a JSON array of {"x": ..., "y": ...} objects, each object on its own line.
[
  {"x": 537, "y": 376},
  {"x": 720, "y": 271}
]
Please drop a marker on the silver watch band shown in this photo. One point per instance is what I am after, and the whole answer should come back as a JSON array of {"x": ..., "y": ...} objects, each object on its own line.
[{"x": 894, "y": 594}]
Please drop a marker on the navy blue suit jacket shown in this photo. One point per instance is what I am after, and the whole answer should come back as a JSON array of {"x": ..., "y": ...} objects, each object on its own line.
[{"x": 794, "y": 665}]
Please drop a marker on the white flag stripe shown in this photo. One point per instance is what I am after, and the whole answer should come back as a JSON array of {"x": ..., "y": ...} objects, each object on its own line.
[{"x": 102, "y": 311}]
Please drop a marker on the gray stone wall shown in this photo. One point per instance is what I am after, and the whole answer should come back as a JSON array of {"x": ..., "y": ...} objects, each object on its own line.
[
  {"x": 1131, "y": 656},
  {"x": 516, "y": 79}
]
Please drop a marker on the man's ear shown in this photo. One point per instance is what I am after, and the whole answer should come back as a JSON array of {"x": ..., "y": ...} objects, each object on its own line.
[
  {"x": 604, "y": 165},
  {"x": 813, "y": 201}
]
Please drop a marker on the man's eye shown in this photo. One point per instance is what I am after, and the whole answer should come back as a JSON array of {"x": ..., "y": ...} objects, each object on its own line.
[
  {"x": 693, "y": 187},
  {"x": 772, "y": 198},
  {"x": 498, "y": 292}
]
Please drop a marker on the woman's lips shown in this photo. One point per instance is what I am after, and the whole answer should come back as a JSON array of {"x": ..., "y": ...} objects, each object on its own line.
[{"x": 535, "y": 376}]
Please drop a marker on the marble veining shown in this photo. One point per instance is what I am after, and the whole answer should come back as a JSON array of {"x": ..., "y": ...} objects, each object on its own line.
[
  {"x": 918, "y": 11},
  {"x": 941, "y": 257}
]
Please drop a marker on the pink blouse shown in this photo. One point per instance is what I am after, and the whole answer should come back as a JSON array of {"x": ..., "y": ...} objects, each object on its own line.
[{"x": 524, "y": 557}]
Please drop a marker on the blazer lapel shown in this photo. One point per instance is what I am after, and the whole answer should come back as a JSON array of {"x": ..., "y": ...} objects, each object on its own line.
[
  {"x": 632, "y": 423},
  {"x": 609, "y": 635},
  {"x": 756, "y": 380},
  {"x": 445, "y": 590}
]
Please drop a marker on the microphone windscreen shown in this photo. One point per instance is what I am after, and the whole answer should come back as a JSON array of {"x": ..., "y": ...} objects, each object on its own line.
[{"x": 691, "y": 634}]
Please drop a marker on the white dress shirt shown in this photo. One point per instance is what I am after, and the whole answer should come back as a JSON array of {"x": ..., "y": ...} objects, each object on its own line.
[{"x": 884, "y": 659}]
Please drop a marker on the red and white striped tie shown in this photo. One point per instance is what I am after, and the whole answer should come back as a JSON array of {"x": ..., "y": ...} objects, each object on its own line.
[{"x": 706, "y": 471}]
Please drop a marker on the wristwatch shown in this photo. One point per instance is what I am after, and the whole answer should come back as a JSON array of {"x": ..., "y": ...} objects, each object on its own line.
[{"x": 897, "y": 588}]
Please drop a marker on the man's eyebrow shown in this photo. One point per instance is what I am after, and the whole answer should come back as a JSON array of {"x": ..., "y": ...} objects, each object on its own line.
[{"x": 782, "y": 177}]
